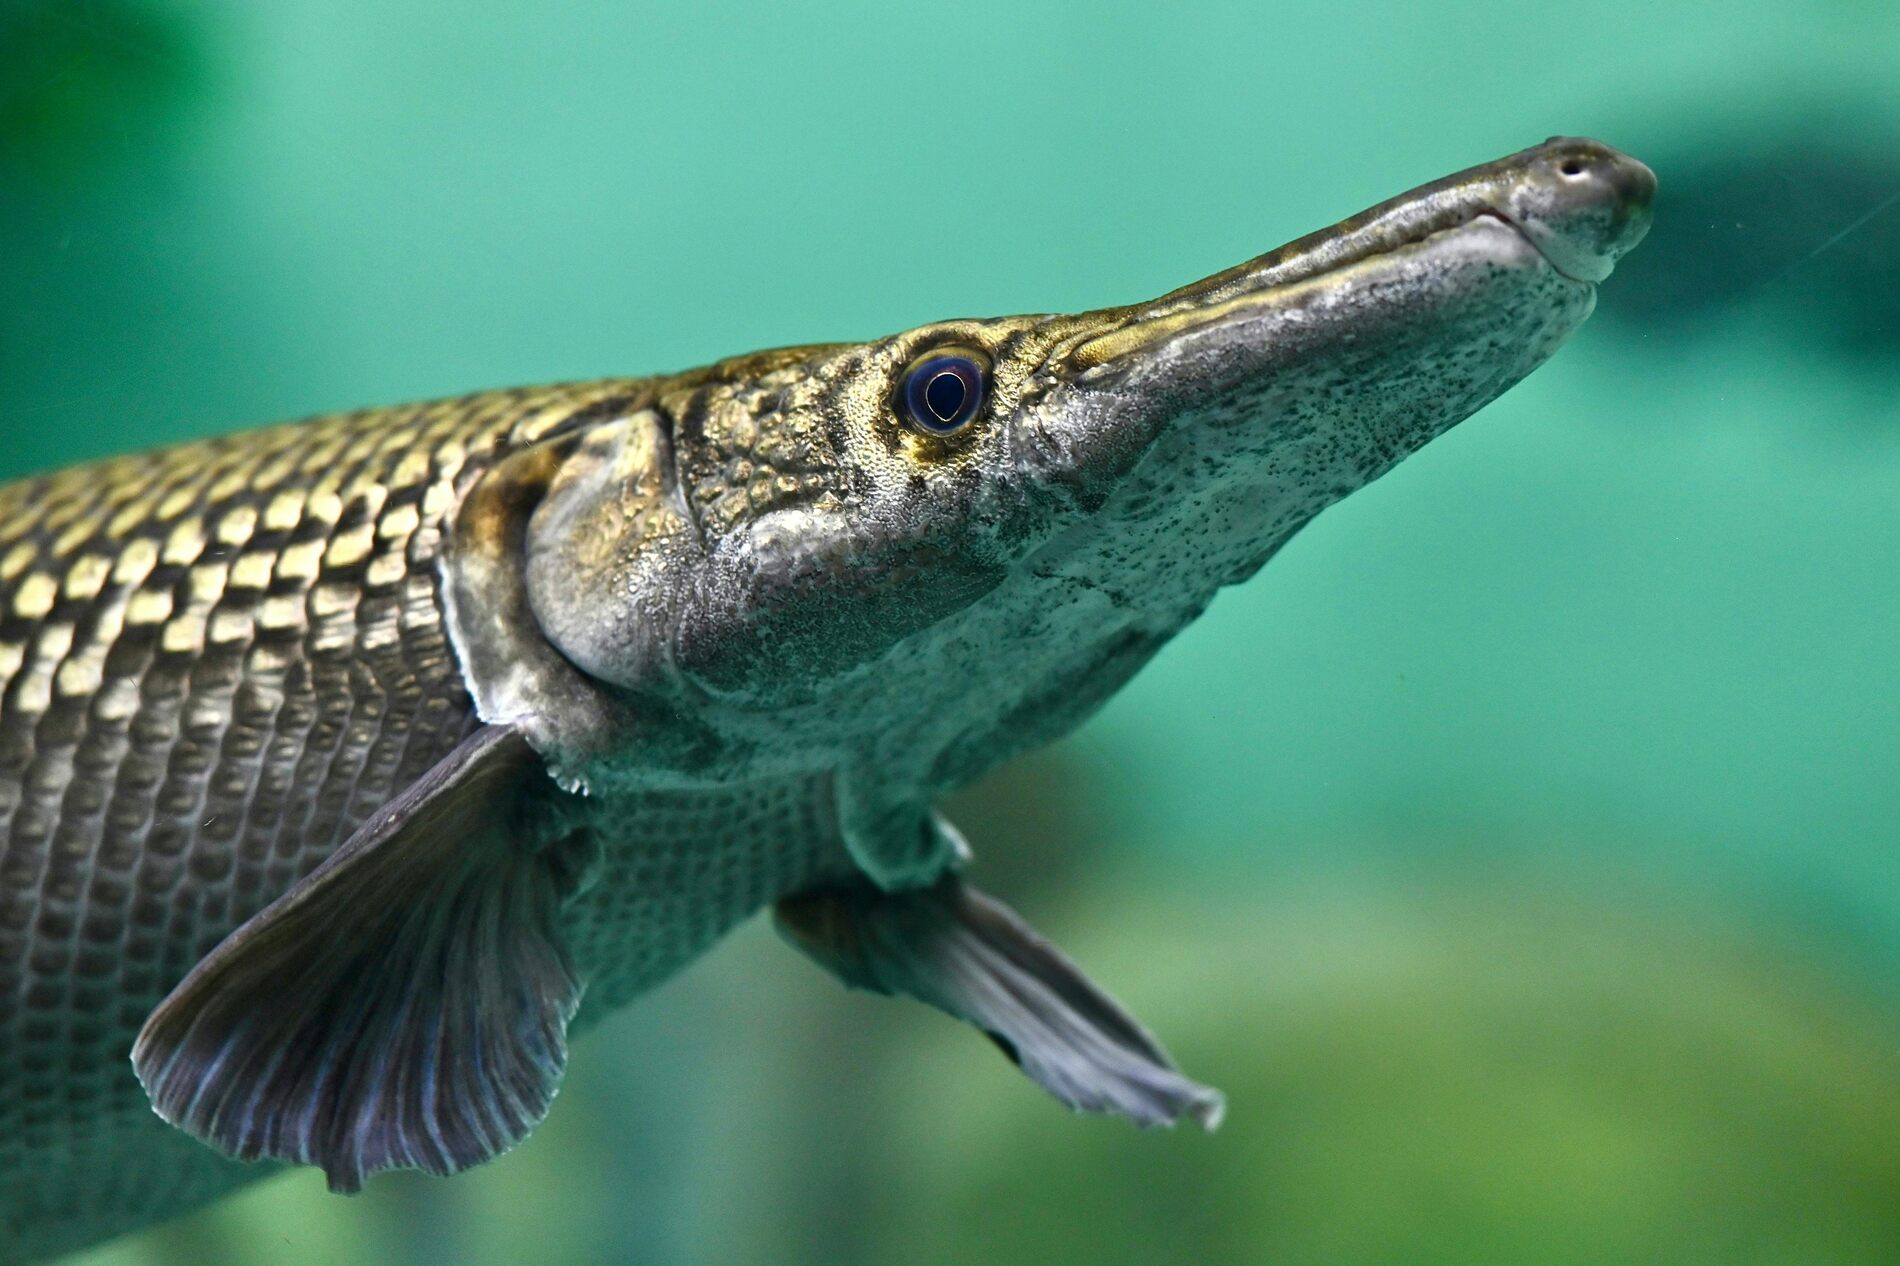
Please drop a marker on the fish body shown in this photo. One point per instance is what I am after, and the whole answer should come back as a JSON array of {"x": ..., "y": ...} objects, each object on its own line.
[
  {"x": 214, "y": 700},
  {"x": 340, "y": 761}
]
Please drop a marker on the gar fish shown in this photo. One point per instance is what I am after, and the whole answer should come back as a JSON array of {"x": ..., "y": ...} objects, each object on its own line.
[{"x": 345, "y": 766}]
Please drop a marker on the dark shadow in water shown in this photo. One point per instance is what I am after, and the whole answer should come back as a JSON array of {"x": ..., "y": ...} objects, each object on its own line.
[
  {"x": 1034, "y": 823},
  {"x": 128, "y": 297},
  {"x": 1800, "y": 218},
  {"x": 87, "y": 85}
]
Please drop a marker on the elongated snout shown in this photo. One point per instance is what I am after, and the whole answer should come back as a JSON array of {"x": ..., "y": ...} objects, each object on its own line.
[
  {"x": 1583, "y": 204},
  {"x": 1356, "y": 344}
]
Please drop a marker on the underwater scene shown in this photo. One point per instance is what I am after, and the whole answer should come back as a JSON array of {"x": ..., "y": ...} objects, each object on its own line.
[{"x": 1518, "y": 852}]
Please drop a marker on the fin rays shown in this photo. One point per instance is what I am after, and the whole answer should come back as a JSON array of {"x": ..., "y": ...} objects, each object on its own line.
[
  {"x": 971, "y": 956},
  {"x": 406, "y": 1005}
]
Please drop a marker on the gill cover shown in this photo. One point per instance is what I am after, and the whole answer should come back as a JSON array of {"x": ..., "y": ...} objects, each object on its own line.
[{"x": 550, "y": 590}]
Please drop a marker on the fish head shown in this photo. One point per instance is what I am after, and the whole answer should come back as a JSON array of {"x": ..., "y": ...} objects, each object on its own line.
[{"x": 956, "y": 541}]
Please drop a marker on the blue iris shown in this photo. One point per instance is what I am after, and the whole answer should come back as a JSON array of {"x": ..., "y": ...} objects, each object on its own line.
[{"x": 941, "y": 393}]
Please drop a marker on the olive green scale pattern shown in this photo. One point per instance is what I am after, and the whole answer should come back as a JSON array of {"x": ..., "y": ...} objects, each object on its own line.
[{"x": 215, "y": 661}]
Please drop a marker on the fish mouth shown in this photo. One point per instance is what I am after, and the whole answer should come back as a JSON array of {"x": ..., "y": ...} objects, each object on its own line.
[
  {"x": 1555, "y": 262},
  {"x": 1578, "y": 204}
]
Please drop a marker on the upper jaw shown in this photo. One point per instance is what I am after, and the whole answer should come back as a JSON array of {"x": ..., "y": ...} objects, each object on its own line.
[
  {"x": 1581, "y": 204},
  {"x": 1452, "y": 291}
]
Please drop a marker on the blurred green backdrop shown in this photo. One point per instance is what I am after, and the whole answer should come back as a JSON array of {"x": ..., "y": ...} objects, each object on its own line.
[{"x": 1519, "y": 851}]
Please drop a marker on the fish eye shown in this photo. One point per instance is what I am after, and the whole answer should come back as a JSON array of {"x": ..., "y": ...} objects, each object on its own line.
[{"x": 943, "y": 390}]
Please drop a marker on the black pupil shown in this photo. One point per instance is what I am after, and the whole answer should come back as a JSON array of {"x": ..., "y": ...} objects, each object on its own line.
[{"x": 944, "y": 394}]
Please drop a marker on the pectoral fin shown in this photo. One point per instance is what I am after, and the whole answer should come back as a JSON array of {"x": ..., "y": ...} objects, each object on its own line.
[
  {"x": 404, "y": 1006},
  {"x": 968, "y": 954}
]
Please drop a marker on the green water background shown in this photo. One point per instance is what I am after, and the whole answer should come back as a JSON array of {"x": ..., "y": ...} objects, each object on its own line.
[{"x": 1520, "y": 851}]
